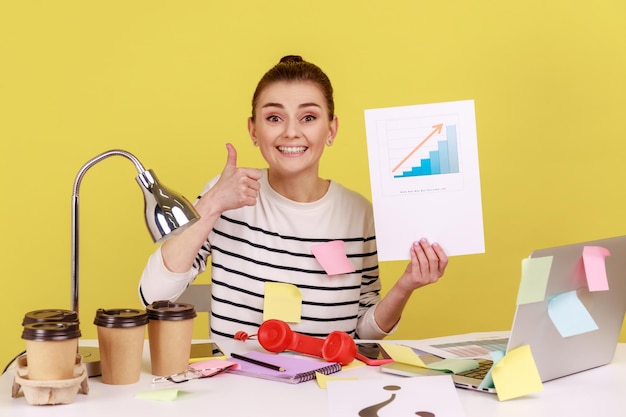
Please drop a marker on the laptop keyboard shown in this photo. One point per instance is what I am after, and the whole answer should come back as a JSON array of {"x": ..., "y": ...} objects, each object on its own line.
[{"x": 479, "y": 373}]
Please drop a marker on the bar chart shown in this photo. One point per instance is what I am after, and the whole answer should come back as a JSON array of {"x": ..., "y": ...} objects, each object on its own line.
[{"x": 437, "y": 154}]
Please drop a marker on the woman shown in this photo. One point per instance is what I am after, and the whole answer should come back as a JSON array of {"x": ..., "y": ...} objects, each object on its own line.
[{"x": 258, "y": 226}]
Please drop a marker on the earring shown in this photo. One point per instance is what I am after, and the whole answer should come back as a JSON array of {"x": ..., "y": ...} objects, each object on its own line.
[
  {"x": 329, "y": 142},
  {"x": 255, "y": 143}
]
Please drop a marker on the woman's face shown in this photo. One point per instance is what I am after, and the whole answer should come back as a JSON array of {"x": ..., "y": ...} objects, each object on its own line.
[{"x": 292, "y": 127}]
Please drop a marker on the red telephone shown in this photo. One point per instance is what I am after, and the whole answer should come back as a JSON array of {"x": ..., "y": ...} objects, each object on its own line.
[{"x": 276, "y": 336}]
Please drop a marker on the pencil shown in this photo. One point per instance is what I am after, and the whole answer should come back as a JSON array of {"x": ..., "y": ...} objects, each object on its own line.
[{"x": 256, "y": 362}]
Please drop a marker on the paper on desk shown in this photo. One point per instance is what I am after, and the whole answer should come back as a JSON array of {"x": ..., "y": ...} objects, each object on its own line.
[
  {"x": 421, "y": 396},
  {"x": 424, "y": 177},
  {"x": 535, "y": 273},
  {"x": 516, "y": 374},
  {"x": 332, "y": 257},
  {"x": 595, "y": 267},
  {"x": 282, "y": 301},
  {"x": 569, "y": 315}
]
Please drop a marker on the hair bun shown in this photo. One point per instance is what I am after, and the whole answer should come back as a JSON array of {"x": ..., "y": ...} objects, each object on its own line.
[{"x": 291, "y": 58}]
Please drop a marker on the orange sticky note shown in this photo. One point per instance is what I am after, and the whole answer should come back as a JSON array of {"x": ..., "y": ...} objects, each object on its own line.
[
  {"x": 282, "y": 301},
  {"x": 332, "y": 257},
  {"x": 516, "y": 374}
]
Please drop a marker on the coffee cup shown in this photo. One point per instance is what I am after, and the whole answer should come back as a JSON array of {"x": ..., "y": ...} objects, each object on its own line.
[
  {"x": 170, "y": 333},
  {"x": 121, "y": 334},
  {"x": 51, "y": 349},
  {"x": 50, "y": 315}
]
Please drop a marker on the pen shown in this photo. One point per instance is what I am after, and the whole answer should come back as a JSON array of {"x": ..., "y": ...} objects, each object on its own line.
[{"x": 256, "y": 362}]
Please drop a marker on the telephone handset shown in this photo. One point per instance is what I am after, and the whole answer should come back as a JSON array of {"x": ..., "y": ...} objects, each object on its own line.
[{"x": 276, "y": 336}]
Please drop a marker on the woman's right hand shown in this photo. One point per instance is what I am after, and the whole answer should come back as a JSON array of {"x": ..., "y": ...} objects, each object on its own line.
[{"x": 235, "y": 188}]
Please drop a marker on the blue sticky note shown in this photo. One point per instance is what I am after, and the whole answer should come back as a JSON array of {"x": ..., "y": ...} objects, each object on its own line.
[
  {"x": 487, "y": 381},
  {"x": 569, "y": 315}
]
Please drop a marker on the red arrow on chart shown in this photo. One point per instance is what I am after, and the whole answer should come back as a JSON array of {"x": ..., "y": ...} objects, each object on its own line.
[{"x": 436, "y": 129}]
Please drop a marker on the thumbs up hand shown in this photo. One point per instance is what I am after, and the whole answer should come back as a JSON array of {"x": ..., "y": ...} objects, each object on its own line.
[{"x": 236, "y": 187}]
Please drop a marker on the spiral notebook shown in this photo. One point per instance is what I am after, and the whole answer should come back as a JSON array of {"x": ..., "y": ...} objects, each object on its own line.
[{"x": 297, "y": 369}]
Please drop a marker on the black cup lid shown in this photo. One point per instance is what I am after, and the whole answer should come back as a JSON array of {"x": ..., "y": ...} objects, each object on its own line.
[
  {"x": 50, "y": 331},
  {"x": 50, "y": 315},
  {"x": 169, "y": 310},
  {"x": 120, "y": 317}
]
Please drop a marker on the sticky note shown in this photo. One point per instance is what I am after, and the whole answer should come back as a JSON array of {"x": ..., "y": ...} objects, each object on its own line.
[
  {"x": 569, "y": 315},
  {"x": 282, "y": 301},
  {"x": 322, "y": 379},
  {"x": 595, "y": 267},
  {"x": 168, "y": 394},
  {"x": 516, "y": 374},
  {"x": 454, "y": 365},
  {"x": 403, "y": 354},
  {"x": 487, "y": 382},
  {"x": 535, "y": 273},
  {"x": 332, "y": 257}
]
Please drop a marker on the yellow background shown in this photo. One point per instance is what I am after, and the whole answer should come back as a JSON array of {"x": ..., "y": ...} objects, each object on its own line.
[{"x": 171, "y": 82}]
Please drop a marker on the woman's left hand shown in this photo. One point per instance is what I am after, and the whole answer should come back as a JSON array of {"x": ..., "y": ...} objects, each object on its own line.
[{"x": 427, "y": 265}]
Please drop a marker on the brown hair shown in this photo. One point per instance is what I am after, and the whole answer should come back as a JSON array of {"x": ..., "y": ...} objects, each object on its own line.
[{"x": 293, "y": 68}]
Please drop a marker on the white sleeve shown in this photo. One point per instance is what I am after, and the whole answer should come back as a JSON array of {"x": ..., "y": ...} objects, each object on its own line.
[
  {"x": 367, "y": 328},
  {"x": 159, "y": 283}
]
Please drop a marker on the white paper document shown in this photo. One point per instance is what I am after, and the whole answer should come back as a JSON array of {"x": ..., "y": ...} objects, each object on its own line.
[
  {"x": 429, "y": 396},
  {"x": 425, "y": 178}
]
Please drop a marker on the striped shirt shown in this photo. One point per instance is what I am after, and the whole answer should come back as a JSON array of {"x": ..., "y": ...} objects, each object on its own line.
[{"x": 271, "y": 242}]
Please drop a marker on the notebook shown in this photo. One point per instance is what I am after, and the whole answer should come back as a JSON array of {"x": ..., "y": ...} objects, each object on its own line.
[
  {"x": 297, "y": 369},
  {"x": 555, "y": 356}
]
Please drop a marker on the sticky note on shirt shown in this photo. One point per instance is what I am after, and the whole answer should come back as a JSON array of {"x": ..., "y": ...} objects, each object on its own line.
[
  {"x": 569, "y": 315},
  {"x": 595, "y": 267},
  {"x": 332, "y": 257},
  {"x": 535, "y": 273},
  {"x": 516, "y": 374},
  {"x": 282, "y": 301}
]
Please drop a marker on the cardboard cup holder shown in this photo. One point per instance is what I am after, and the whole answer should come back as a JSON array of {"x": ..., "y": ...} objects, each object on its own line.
[{"x": 50, "y": 392}]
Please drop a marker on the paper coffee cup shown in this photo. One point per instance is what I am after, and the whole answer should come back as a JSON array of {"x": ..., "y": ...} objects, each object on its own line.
[
  {"x": 121, "y": 334},
  {"x": 170, "y": 332},
  {"x": 50, "y": 315},
  {"x": 51, "y": 349}
]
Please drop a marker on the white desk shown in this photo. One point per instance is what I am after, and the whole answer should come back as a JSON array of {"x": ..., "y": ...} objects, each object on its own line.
[{"x": 597, "y": 392}]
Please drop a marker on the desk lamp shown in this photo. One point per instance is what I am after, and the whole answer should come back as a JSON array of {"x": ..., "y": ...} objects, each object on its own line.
[{"x": 166, "y": 213}]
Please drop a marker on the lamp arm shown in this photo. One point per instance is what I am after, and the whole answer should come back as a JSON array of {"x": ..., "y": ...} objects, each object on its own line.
[{"x": 75, "y": 213}]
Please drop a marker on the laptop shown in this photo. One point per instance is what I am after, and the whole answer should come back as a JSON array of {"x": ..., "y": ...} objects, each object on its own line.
[{"x": 555, "y": 356}]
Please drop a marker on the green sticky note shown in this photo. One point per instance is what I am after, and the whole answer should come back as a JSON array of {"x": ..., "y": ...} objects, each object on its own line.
[
  {"x": 454, "y": 365},
  {"x": 535, "y": 273},
  {"x": 169, "y": 394}
]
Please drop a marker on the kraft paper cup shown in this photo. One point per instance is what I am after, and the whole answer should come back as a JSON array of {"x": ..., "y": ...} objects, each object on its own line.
[
  {"x": 50, "y": 315},
  {"x": 121, "y": 334},
  {"x": 51, "y": 349},
  {"x": 170, "y": 333}
]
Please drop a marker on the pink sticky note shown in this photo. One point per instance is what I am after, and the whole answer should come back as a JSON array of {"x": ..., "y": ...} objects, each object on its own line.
[
  {"x": 332, "y": 257},
  {"x": 595, "y": 267}
]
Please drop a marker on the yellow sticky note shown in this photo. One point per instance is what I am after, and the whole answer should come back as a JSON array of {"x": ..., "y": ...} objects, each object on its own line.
[
  {"x": 516, "y": 374},
  {"x": 282, "y": 302},
  {"x": 169, "y": 394},
  {"x": 403, "y": 354},
  {"x": 322, "y": 379}
]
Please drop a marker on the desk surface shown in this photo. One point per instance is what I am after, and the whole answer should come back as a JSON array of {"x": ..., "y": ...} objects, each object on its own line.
[{"x": 595, "y": 392}]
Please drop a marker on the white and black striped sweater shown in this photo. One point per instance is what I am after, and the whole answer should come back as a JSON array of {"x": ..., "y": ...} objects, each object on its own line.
[{"x": 271, "y": 242}]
